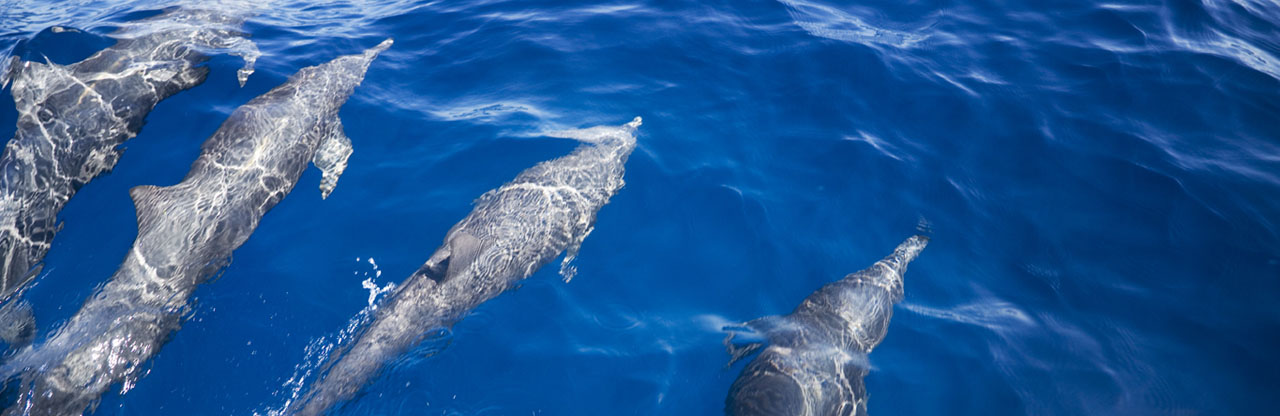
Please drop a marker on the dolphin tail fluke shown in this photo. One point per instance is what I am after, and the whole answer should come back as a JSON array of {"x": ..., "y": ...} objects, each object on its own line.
[{"x": 331, "y": 157}]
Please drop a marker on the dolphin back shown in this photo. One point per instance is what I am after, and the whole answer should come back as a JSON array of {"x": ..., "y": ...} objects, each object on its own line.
[{"x": 514, "y": 230}]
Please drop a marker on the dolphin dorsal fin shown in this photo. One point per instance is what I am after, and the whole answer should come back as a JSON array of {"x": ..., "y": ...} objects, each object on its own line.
[
  {"x": 464, "y": 249},
  {"x": 331, "y": 156},
  {"x": 146, "y": 201}
]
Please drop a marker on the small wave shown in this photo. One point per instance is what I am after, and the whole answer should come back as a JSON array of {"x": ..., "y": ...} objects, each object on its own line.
[
  {"x": 996, "y": 316},
  {"x": 885, "y": 148},
  {"x": 1239, "y": 30},
  {"x": 1261, "y": 8},
  {"x": 488, "y": 111},
  {"x": 583, "y": 13},
  {"x": 832, "y": 23},
  {"x": 1236, "y": 49},
  {"x": 476, "y": 109}
]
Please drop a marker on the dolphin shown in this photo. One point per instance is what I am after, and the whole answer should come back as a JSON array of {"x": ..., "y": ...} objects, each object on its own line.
[
  {"x": 72, "y": 118},
  {"x": 512, "y": 232},
  {"x": 186, "y": 233},
  {"x": 816, "y": 356}
]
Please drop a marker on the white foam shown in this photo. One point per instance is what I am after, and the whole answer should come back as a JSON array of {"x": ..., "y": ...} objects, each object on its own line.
[{"x": 374, "y": 290}]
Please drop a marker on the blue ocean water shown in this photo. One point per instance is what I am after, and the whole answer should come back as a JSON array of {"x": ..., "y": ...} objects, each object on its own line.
[{"x": 1101, "y": 183}]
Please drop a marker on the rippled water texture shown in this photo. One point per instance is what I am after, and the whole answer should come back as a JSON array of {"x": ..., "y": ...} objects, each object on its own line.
[{"x": 1101, "y": 183}]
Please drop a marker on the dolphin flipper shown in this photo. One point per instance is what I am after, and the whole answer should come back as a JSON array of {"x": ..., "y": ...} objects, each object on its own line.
[
  {"x": 220, "y": 33},
  {"x": 17, "y": 324},
  {"x": 567, "y": 269},
  {"x": 739, "y": 351},
  {"x": 759, "y": 328},
  {"x": 244, "y": 48},
  {"x": 9, "y": 70},
  {"x": 332, "y": 156}
]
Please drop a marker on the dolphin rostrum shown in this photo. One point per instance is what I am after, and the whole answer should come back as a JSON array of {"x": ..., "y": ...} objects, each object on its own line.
[
  {"x": 513, "y": 231},
  {"x": 72, "y": 118},
  {"x": 816, "y": 356},
  {"x": 186, "y": 233}
]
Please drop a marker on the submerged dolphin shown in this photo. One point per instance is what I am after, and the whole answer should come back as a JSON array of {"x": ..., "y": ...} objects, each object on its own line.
[
  {"x": 512, "y": 232},
  {"x": 186, "y": 232},
  {"x": 815, "y": 358},
  {"x": 72, "y": 118}
]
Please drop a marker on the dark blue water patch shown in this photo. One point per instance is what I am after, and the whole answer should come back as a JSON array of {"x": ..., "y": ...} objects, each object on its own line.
[
  {"x": 8, "y": 113},
  {"x": 61, "y": 45}
]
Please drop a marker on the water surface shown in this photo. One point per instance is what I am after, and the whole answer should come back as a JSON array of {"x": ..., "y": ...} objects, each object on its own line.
[{"x": 1101, "y": 183}]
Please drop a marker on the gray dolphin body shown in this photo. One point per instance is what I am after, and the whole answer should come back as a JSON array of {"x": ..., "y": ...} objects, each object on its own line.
[
  {"x": 815, "y": 358},
  {"x": 513, "y": 231},
  {"x": 72, "y": 118},
  {"x": 186, "y": 232}
]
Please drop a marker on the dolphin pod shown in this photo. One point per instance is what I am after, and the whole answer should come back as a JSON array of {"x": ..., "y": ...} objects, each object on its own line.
[
  {"x": 186, "y": 232},
  {"x": 512, "y": 232},
  {"x": 815, "y": 358},
  {"x": 72, "y": 118}
]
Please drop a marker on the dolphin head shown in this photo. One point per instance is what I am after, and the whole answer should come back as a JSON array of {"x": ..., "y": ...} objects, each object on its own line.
[
  {"x": 335, "y": 80},
  {"x": 887, "y": 273}
]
